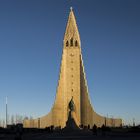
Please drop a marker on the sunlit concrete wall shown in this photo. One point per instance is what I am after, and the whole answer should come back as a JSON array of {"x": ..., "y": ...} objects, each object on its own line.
[
  {"x": 72, "y": 83},
  {"x": 88, "y": 115},
  {"x": 59, "y": 112}
]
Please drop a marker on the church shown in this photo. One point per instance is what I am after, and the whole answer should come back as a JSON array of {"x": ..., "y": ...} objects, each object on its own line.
[{"x": 72, "y": 85}]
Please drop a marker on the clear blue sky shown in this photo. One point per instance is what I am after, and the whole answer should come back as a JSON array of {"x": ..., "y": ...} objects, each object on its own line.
[{"x": 31, "y": 36}]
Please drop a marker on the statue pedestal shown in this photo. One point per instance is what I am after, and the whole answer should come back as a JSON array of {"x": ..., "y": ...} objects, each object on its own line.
[
  {"x": 72, "y": 129},
  {"x": 71, "y": 124}
]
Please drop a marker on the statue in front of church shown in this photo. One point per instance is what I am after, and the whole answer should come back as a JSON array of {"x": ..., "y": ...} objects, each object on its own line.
[
  {"x": 71, "y": 104},
  {"x": 71, "y": 124}
]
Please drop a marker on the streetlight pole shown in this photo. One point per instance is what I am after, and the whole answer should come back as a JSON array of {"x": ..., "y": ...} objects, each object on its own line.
[{"x": 6, "y": 111}]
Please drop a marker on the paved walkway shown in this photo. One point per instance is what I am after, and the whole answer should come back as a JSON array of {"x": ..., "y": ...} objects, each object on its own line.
[
  {"x": 45, "y": 136},
  {"x": 91, "y": 137}
]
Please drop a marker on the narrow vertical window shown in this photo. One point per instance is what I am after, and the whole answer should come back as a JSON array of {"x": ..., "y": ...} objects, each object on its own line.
[
  {"x": 67, "y": 43},
  {"x": 76, "y": 43},
  {"x": 71, "y": 42}
]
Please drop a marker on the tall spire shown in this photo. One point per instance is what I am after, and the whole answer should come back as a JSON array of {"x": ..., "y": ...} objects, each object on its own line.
[
  {"x": 72, "y": 84},
  {"x": 72, "y": 32}
]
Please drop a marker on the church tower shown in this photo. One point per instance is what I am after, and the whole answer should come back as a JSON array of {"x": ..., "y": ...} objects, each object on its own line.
[
  {"x": 72, "y": 85},
  {"x": 69, "y": 80}
]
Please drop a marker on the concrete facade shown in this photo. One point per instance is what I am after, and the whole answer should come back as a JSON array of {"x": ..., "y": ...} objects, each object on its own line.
[{"x": 72, "y": 83}]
